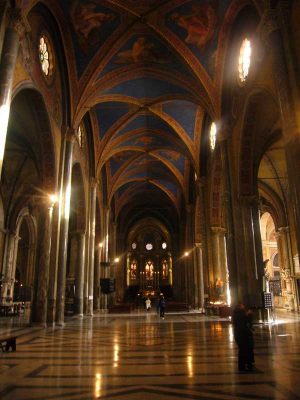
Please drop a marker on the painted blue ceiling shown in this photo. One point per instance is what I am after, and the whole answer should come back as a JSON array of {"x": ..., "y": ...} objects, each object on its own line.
[
  {"x": 108, "y": 113},
  {"x": 148, "y": 122},
  {"x": 146, "y": 88},
  {"x": 184, "y": 112},
  {"x": 118, "y": 160},
  {"x": 177, "y": 159}
]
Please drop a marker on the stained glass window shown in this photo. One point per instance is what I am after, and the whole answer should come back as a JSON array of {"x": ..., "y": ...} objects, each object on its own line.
[
  {"x": 149, "y": 246},
  {"x": 45, "y": 55},
  {"x": 133, "y": 245},
  {"x": 149, "y": 269},
  {"x": 213, "y": 135},
  {"x": 133, "y": 268},
  {"x": 244, "y": 60},
  {"x": 164, "y": 269}
]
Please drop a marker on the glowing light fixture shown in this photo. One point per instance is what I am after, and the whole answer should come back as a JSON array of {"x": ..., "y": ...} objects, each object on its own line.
[{"x": 53, "y": 198}]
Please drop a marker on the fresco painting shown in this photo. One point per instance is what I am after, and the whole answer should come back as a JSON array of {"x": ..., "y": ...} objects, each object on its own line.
[
  {"x": 87, "y": 21},
  {"x": 92, "y": 24},
  {"x": 143, "y": 50},
  {"x": 199, "y": 23}
]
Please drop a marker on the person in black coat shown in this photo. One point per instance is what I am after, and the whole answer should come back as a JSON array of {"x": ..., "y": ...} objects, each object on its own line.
[
  {"x": 162, "y": 306},
  {"x": 243, "y": 335}
]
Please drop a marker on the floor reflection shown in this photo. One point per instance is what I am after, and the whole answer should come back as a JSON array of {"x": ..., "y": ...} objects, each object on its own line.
[{"x": 142, "y": 357}]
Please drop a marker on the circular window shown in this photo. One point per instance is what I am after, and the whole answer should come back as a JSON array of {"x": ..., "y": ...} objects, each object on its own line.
[
  {"x": 149, "y": 246},
  {"x": 133, "y": 246},
  {"x": 244, "y": 60},
  {"x": 45, "y": 56},
  {"x": 164, "y": 245},
  {"x": 213, "y": 135}
]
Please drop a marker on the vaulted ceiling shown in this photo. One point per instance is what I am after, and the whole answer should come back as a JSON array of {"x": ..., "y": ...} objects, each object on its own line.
[{"x": 149, "y": 72}]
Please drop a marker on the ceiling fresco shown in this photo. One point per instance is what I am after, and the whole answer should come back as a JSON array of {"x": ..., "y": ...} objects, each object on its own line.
[{"x": 146, "y": 70}]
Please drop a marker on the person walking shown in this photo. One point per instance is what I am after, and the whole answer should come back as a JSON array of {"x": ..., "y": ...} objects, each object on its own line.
[
  {"x": 243, "y": 335},
  {"x": 162, "y": 306},
  {"x": 148, "y": 304}
]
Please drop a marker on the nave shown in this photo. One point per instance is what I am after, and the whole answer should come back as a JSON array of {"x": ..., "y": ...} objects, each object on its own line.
[{"x": 139, "y": 356}]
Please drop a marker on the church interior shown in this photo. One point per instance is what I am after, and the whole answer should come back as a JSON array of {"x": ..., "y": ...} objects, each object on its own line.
[{"x": 148, "y": 148}]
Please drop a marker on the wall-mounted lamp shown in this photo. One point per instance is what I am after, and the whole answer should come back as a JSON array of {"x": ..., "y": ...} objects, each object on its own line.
[
  {"x": 53, "y": 199},
  {"x": 186, "y": 254},
  {"x": 117, "y": 260}
]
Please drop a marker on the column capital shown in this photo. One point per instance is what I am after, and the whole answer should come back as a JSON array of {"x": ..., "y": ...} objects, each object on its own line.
[
  {"x": 18, "y": 22},
  {"x": 93, "y": 182},
  {"x": 283, "y": 229},
  {"x": 198, "y": 245},
  {"x": 69, "y": 133},
  {"x": 80, "y": 232},
  {"x": 218, "y": 230},
  {"x": 223, "y": 132},
  {"x": 268, "y": 24},
  {"x": 189, "y": 208},
  {"x": 249, "y": 200}
]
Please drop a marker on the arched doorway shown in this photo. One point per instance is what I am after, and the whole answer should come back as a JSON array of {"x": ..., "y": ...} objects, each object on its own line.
[
  {"x": 273, "y": 281},
  {"x": 277, "y": 224},
  {"x": 24, "y": 267},
  {"x": 28, "y": 177}
]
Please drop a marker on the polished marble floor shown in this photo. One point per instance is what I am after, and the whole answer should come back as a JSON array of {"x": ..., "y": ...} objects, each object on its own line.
[{"x": 141, "y": 357}]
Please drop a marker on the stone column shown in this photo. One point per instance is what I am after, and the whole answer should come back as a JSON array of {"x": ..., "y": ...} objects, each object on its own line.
[
  {"x": 52, "y": 286},
  {"x": 219, "y": 261},
  {"x": 97, "y": 278},
  {"x": 201, "y": 233},
  {"x": 251, "y": 286},
  {"x": 224, "y": 141},
  {"x": 79, "y": 280},
  {"x": 64, "y": 225},
  {"x": 189, "y": 264},
  {"x": 14, "y": 32},
  {"x": 92, "y": 217},
  {"x": 272, "y": 36},
  {"x": 200, "y": 286},
  {"x": 42, "y": 268}
]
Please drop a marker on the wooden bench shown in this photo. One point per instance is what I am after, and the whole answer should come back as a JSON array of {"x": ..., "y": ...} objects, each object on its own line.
[{"x": 8, "y": 342}]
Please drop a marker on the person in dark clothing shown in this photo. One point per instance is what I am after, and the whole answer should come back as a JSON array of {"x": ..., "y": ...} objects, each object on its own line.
[
  {"x": 243, "y": 335},
  {"x": 162, "y": 306}
]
